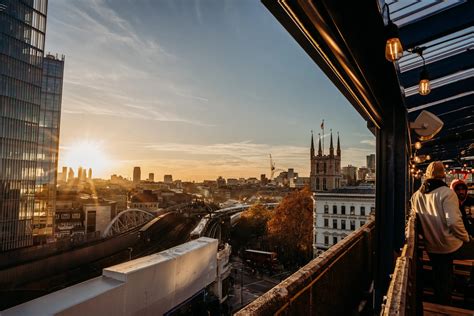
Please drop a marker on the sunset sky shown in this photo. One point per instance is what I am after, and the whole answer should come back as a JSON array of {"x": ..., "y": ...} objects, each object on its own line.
[{"x": 196, "y": 89}]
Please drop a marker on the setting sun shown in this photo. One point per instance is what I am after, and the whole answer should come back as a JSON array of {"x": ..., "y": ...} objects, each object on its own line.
[{"x": 86, "y": 154}]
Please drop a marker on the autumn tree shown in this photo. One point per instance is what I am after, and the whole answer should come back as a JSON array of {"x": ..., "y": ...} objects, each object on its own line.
[
  {"x": 251, "y": 227},
  {"x": 290, "y": 228}
]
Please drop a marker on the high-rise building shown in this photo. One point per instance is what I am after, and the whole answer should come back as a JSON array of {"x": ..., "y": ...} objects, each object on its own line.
[
  {"x": 48, "y": 147},
  {"x": 137, "y": 174},
  {"x": 371, "y": 162},
  {"x": 362, "y": 173},
  {"x": 151, "y": 177},
  {"x": 168, "y": 178},
  {"x": 64, "y": 174},
  {"x": 70, "y": 175},
  {"x": 350, "y": 174},
  {"x": 22, "y": 36},
  {"x": 79, "y": 173},
  {"x": 325, "y": 169},
  {"x": 89, "y": 175}
]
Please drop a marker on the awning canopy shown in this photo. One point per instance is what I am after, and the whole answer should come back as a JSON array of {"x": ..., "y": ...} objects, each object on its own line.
[
  {"x": 445, "y": 29},
  {"x": 347, "y": 39}
]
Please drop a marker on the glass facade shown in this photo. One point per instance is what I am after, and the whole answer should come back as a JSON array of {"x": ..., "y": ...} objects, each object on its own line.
[
  {"x": 22, "y": 33},
  {"x": 48, "y": 146}
]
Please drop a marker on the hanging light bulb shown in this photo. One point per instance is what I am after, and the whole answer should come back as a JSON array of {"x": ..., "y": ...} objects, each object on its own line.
[
  {"x": 417, "y": 145},
  {"x": 393, "y": 45},
  {"x": 424, "y": 85}
]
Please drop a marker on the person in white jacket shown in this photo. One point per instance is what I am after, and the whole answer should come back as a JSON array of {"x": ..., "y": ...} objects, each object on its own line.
[{"x": 443, "y": 230}]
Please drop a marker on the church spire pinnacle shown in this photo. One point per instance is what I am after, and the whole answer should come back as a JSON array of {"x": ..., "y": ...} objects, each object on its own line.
[
  {"x": 331, "y": 146},
  {"x": 338, "y": 150},
  {"x": 312, "y": 146},
  {"x": 320, "y": 151}
]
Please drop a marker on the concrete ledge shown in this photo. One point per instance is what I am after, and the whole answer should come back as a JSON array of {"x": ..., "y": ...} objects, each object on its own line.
[
  {"x": 151, "y": 285},
  {"x": 289, "y": 289}
]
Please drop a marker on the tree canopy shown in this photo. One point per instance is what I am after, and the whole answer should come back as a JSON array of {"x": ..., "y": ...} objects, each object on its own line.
[{"x": 290, "y": 228}]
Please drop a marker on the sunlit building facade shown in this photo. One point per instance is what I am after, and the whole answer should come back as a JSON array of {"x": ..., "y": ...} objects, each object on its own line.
[
  {"x": 339, "y": 212},
  {"x": 22, "y": 36},
  {"x": 48, "y": 146}
]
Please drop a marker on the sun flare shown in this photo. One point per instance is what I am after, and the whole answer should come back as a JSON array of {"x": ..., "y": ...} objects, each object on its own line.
[{"x": 86, "y": 154}]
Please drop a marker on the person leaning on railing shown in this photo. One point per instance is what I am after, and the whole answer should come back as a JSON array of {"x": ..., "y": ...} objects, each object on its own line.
[
  {"x": 443, "y": 230},
  {"x": 465, "y": 204}
]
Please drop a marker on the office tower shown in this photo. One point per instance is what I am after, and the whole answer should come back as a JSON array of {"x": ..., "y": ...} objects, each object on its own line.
[
  {"x": 89, "y": 175},
  {"x": 48, "y": 146},
  {"x": 137, "y": 175},
  {"x": 64, "y": 174},
  {"x": 151, "y": 176},
  {"x": 371, "y": 162},
  {"x": 350, "y": 174},
  {"x": 70, "y": 175},
  {"x": 168, "y": 178},
  {"x": 22, "y": 34},
  {"x": 79, "y": 173},
  {"x": 84, "y": 174}
]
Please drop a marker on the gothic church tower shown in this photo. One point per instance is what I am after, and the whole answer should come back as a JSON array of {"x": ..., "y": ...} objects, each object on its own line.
[{"x": 325, "y": 169}]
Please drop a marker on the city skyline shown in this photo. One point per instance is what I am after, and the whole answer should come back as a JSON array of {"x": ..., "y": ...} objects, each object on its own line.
[{"x": 179, "y": 92}]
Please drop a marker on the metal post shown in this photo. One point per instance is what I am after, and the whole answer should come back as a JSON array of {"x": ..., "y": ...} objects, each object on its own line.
[
  {"x": 390, "y": 196},
  {"x": 241, "y": 284}
]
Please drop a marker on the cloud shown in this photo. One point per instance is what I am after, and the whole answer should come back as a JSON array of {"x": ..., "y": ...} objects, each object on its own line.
[
  {"x": 245, "y": 150},
  {"x": 370, "y": 142},
  {"x": 119, "y": 72}
]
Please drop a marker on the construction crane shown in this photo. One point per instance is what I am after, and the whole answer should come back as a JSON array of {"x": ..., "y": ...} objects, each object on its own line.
[{"x": 273, "y": 168}]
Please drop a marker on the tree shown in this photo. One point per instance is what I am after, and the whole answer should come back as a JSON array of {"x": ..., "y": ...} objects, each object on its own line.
[
  {"x": 291, "y": 227},
  {"x": 251, "y": 227}
]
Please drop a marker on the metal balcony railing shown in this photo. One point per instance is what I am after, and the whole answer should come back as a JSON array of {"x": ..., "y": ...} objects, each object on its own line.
[
  {"x": 338, "y": 282},
  {"x": 403, "y": 297}
]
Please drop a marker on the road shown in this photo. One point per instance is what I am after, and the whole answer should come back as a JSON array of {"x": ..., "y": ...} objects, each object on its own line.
[{"x": 253, "y": 283}]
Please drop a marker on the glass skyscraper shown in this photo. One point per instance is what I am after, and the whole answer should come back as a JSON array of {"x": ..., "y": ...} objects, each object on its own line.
[
  {"x": 48, "y": 145},
  {"x": 22, "y": 35}
]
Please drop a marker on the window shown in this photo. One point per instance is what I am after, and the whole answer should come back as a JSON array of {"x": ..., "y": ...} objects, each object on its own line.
[
  {"x": 334, "y": 223},
  {"x": 353, "y": 210},
  {"x": 326, "y": 240},
  {"x": 334, "y": 240},
  {"x": 325, "y": 168},
  {"x": 353, "y": 225},
  {"x": 362, "y": 223},
  {"x": 91, "y": 221},
  {"x": 326, "y": 209},
  {"x": 334, "y": 209},
  {"x": 362, "y": 210},
  {"x": 372, "y": 210},
  {"x": 343, "y": 209},
  {"x": 317, "y": 183},
  {"x": 343, "y": 224},
  {"x": 326, "y": 222},
  {"x": 324, "y": 184}
]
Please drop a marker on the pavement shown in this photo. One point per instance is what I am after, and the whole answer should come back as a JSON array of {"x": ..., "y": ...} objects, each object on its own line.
[{"x": 249, "y": 284}]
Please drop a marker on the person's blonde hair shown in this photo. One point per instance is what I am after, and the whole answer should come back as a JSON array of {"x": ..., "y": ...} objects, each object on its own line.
[{"x": 435, "y": 170}]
